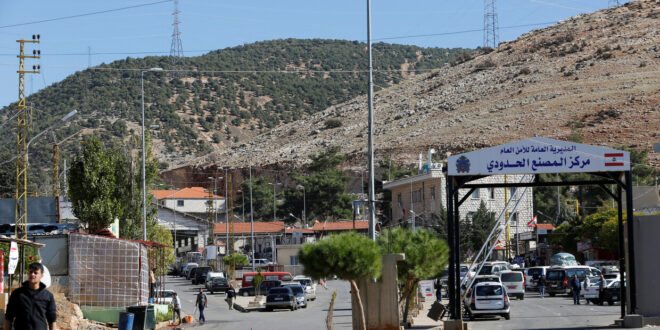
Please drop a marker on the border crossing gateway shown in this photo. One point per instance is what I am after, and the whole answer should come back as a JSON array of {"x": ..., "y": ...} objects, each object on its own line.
[{"x": 540, "y": 155}]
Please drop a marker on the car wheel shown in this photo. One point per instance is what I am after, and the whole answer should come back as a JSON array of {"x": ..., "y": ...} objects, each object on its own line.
[
  {"x": 269, "y": 309},
  {"x": 521, "y": 297},
  {"x": 600, "y": 302},
  {"x": 552, "y": 294},
  {"x": 210, "y": 292},
  {"x": 610, "y": 302},
  {"x": 507, "y": 316},
  {"x": 246, "y": 294}
]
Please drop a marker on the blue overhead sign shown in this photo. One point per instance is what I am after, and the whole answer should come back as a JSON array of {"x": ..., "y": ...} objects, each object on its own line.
[{"x": 539, "y": 155}]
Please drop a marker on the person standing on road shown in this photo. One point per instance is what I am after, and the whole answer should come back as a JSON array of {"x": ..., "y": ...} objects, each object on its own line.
[
  {"x": 152, "y": 283},
  {"x": 601, "y": 285},
  {"x": 576, "y": 286},
  {"x": 201, "y": 303},
  {"x": 176, "y": 308},
  {"x": 542, "y": 285},
  {"x": 230, "y": 297},
  {"x": 31, "y": 306}
]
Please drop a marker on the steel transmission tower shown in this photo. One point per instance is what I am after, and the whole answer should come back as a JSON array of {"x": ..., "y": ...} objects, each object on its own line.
[
  {"x": 176, "y": 50},
  {"x": 491, "y": 28}
]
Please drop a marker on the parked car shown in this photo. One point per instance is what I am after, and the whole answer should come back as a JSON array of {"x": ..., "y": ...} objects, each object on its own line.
[
  {"x": 164, "y": 297},
  {"x": 489, "y": 298},
  {"x": 563, "y": 259},
  {"x": 611, "y": 293},
  {"x": 310, "y": 286},
  {"x": 217, "y": 284},
  {"x": 533, "y": 275},
  {"x": 481, "y": 279},
  {"x": 186, "y": 269},
  {"x": 493, "y": 267},
  {"x": 463, "y": 272},
  {"x": 590, "y": 289},
  {"x": 260, "y": 262},
  {"x": 263, "y": 288},
  {"x": 211, "y": 275},
  {"x": 613, "y": 276},
  {"x": 190, "y": 271},
  {"x": 281, "y": 297},
  {"x": 514, "y": 282},
  {"x": 198, "y": 276},
  {"x": 299, "y": 292},
  {"x": 557, "y": 280}
]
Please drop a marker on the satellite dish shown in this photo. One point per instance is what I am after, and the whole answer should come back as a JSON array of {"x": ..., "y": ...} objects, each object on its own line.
[{"x": 46, "y": 280}]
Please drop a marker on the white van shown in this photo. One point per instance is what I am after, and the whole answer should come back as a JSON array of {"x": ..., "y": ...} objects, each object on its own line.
[
  {"x": 532, "y": 276},
  {"x": 211, "y": 275},
  {"x": 514, "y": 283},
  {"x": 489, "y": 298}
]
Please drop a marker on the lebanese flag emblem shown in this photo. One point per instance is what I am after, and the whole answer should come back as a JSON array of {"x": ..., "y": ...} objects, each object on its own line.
[
  {"x": 613, "y": 159},
  {"x": 532, "y": 223}
]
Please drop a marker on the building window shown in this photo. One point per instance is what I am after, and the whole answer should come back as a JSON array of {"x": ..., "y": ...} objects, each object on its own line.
[
  {"x": 179, "y": 202},
  {"x": 475, "y": 193},
  {"x": 491, "y": 193},
  {"x": 432, "y": 193},
  {"x": 417, "y": 196},
  {"x": 470, "y": 215},
  {"x": 293, "y": 260},
  {"x": 398, "y": 199},
  {"x": 514, "y": 218}
]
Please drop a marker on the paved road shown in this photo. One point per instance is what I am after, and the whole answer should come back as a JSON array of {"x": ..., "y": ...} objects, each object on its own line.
[
  {"x": 218, "y": 316},
  {"x": 552, "y": 313}
]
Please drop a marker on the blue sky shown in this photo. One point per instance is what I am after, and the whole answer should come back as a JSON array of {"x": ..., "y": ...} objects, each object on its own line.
[{"x": 208, "y": 25}]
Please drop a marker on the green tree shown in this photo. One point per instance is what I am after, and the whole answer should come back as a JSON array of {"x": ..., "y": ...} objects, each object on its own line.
[
  {"x": 426, "y": 257},
  {"x": 233, "y": 260},
  {"x": 350, "y": 256},
  {"x": 482, "y": 223},
  {"x": 93, "y": 178},
  {"x": 256, "y": 282},
  {"x": 262, "y": 198},
  {"x": 162, "y": 235}
]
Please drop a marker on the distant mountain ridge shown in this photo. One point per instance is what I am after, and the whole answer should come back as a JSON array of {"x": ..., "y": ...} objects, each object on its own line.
[
  {"x": 219, "y": 98},
  {"x": 593, "y": 78}
]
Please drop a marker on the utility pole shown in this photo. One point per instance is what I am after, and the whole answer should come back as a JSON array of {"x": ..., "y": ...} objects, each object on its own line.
[{"x": 372, "y": 187}]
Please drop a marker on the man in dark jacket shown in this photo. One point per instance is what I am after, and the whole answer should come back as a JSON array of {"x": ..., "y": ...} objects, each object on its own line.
[
  {"x": 576, "y": 286},
  {"x": 31, "y": 306},
  {"x": 541, "y": 285}
]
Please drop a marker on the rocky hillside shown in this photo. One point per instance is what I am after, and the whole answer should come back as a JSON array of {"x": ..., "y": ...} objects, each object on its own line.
[{"x": 593, "y": 78}]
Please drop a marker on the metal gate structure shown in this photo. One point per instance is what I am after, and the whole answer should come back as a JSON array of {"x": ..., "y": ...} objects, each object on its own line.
[{"x": 540, "y": 155}]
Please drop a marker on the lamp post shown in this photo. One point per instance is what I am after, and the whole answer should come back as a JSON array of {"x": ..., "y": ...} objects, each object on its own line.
[
  {"x": 65, "y": 118},
  {"x": 144, "y": 178},
  {"x": 251, "y": 208},
  {"x": 242, "y": 205},
  {"x": 304, "y": 215},
  {"x": 274, "y": 206},
  {"x": 226, "y": 208},
  {"x": 412, "y": 211},
  {"x": 362, "y": 189},
  {"x": 215, "y": 209}
]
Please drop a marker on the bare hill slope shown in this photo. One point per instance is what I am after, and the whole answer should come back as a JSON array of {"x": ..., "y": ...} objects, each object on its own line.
[{"x": 594, "y": 78}]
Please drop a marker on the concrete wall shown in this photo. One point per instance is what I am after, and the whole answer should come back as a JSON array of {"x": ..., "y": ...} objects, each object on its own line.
[{"x": 647, "y": 267}]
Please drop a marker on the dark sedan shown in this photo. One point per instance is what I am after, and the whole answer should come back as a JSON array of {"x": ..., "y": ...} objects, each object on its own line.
[
  {"x": 610, "y": 294},
  {"x": 217, "y": 284}
]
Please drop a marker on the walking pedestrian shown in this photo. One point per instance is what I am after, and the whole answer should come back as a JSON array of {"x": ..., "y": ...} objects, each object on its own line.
[
  {"x": 201, "y": 303},
  {"x": 31, "y": 306},
  {"x": 576, "y": 286},
  {"x": 601, "y": 286},
  {"x": 176, "y": 308},
  {"x": 542, "y": 285},
  {"x": 231, "y": 294}
]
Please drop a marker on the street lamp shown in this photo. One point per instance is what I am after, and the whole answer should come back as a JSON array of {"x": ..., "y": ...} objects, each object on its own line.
[
  {"x": 412, "y": 211},
  {"x": 226, "y": 208},
  {"x": 304, "y": 216},
  {"x": 144, "y": 179},
  {"x": 242, "y": 204},
  {"x": 55, "y": 124},
  {"x": 215, "y": 209},
  {"x": 251, "y": 208},
  {"x": 274, "y": 207}
]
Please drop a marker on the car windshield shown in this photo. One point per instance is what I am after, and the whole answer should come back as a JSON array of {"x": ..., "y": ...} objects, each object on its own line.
[
  {"x": 554, "y": 275},
  {"x": 219, "y": 280},
  {"x": 296, "y": 289},
  {"x": 611, "y": 275},
  {"x": 464, "y": 269},
  {"x": 278, "y": 291},
  {"x": 489, "y": 290},
  {"x": 305, "y": 282},
  {"x": 486, "y": 270},
  {"x": 581, "y": 273},
  {"x": 512, "y": 277},
  {"x": 534, "y": 272}
]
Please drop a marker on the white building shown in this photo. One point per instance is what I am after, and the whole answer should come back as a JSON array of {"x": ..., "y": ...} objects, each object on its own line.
[
  {"x": 194, "y": 200},
  {"x": 419, "y": 196}
]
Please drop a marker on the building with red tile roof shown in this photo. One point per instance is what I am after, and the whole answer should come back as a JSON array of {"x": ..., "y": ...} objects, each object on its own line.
[{"x": 193, "y": 200}]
